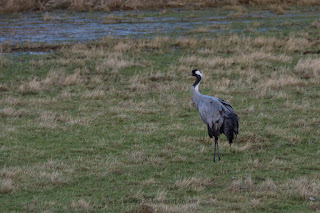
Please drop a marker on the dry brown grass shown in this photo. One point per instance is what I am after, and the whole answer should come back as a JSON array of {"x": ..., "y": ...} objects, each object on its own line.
[
  {"x": 315, "y": 24},
  {"x": 32, "y": 86},
  {"x": 9, "y": 6},
  {"x": 238, "y": 11},
  {"x": 246, "y": 60},
  {"x": 267, "y": 43},
  {"x": 48, "y": 119},
  {"x": 264, "y": 2},
  {"x": 277, "y": 8},
  {"x": 10, "y": 173},
  {"x": 6, "y": 185},
  {"x": 297, "y": 44},
  {"x": 96, "y": 94},
  {"x": 117, "y": 62},
  {"x": 72, "y": 79},
  {"x": 10, "y": 112},
  {"x": 123, "y": 46},
  {"x": 155, "y": 43},
  {"x": 267, "y": 185},
  {"x": 181, "y": 208},
  {"x": 49, "y": 17},
  {"x": 194, "y": 182},
  {"x": 240, "y": 185},
  {"x": 308, "y": 68},
  {"x": 186, "y": 42},
  {"x": 52, "y": 120},
  {"x": 135, "y": 157},
  {"x": 11, "y": 101},
  {"x": 4, "y": 87},
  {"x": 17, "y": 5},
  {"x": 307, "y": 2},
  {"x": 150, "y": 181},
  {"x": 3, "y": 60},
  {"x": 302, "y": 188},
  {"x": 55, "y": 78},
  {"x": 200, "y": 30},
  {"x": 278, "y": 82},
  {"x": 81, "y": 205},
  {"x": 55, "y": 178},
  {"x": 7, "y": 112},
  {"x": 38, "y": 175}
]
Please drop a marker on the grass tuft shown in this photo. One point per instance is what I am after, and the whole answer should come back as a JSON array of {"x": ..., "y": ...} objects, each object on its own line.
[
  {"x": 308, "y": 68},
  {"x": 81, "y": 205}
]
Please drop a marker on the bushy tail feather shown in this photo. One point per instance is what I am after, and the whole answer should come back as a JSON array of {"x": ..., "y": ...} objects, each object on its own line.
[{"x": 230, "y": 126}]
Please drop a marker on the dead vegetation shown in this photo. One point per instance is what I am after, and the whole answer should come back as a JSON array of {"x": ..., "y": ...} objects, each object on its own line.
[
  {"x": 308, "y": 68},
  {"x": 106, "y": 5},
  {"x": 302, "y": 188},
  {"x": 196, "y": 183},
  {"x": 81, "y": 205},
  {"x": 6, "y": 185},
  {"x": 55, "y": 78}
]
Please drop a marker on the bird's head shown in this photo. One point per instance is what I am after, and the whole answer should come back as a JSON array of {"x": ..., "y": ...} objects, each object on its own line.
[{"x": 196, "y": 73}]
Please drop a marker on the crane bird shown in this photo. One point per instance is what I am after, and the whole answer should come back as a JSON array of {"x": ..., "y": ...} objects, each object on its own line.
[{"x": 217, "y": 114}]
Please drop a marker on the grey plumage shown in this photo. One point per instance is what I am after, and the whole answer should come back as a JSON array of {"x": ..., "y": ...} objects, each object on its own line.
[{"x": 217, "y": 114}]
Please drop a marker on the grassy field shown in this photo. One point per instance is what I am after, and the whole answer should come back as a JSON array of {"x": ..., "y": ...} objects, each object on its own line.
[{"x": 109, "y": 126}]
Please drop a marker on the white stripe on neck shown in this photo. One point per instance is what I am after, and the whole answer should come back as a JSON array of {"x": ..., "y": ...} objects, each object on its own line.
[
  {"x": 198, "y": 73},
  {"x": 197, "y": 87}
]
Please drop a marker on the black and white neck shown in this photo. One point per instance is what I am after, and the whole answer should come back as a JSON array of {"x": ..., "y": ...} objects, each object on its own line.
[{"x": 198, "y": 75}]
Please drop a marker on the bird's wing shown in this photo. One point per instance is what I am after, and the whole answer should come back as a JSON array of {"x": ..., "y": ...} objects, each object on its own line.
[
  {"x": 225, "y": 104},
  {"x": 211, "y": 112}
]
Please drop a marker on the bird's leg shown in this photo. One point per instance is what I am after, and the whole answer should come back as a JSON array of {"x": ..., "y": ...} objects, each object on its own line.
[
  {"x": 216, "y": 142},
  {"x": 214, "y": 155}
]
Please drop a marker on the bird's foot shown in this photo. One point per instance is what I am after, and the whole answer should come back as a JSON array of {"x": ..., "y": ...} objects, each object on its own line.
[{"x": 214, "y": 160}]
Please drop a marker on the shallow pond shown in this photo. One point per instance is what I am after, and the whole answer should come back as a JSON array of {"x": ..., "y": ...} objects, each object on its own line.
[{"x": 69, "y": 27}]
